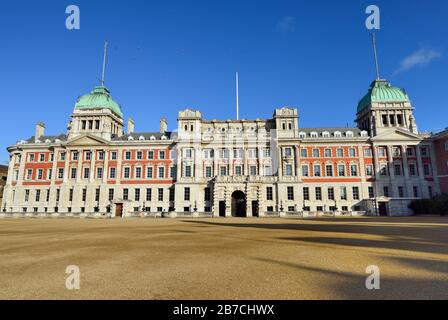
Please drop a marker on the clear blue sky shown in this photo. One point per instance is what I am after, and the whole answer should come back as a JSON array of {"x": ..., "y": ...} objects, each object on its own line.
[{"x": 168, "y": 55}]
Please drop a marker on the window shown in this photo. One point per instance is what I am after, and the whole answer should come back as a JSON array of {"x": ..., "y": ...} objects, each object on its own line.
[
  {"x": 29, "y": 174},
  {"x": 186, "y": 194},
  {"x": 269, "y": 193},
  {"x": 340, "y": 153},
  {"x": 329, "y": 170},
  {"x": 353, "y": 170},
  {"x": 341, "y": 170},
  {"x": 266, "y": 153},
  {"x": 430, "y": 192},
  {"x": 316, "y": 170},
  {"x": 150, "y": 155},
  {"x": 415, "y": 190},
  {"x": 382, "y": 152},
  {"x": 318, "y": 192},
  {"x": 208, "y": 171},
  {"x": 125, "y": 194},
  {"x": 149, "y": 172},
  {"x": 173, "y": 172},
  {"x": 138, "y": 172},
  {"x": 139, "y": 155},
  {"x": 62, "y": 156},
  {"x": 37, "y": 195},
  {"x": 161, "y": 172},
  {"x": 288, "y": 152},
  {"x": 111, "y": 194},
  {"x": 187, "y": 171},
  {"x": 126, "y": 173},
  {"x": 99, "y": 173},
  {"x": 383, "y": 169},
  {"x": 223, "y": 153},
  {"x": 137, "y": 194},
  {"x": 412, "y": 170},
  {"x": 303, "y": 153},
  {"x": 386, "y": 191},
  {"x": 223, "y": 171},
  {"x": 253, "y": 170},
  {"x": 343, "y": 193},
  {"x": 113, "y": 155},
  {"x": 396, "y": 152},
  {"x": 207, "y": 194},
  {"x": 400, "y": 192},
  {"x": 410, "y": 152},
  {"x": 97, "y": 194},
  {"x": 397, "y": 170},
  {"x": 369, "y": 170},
  {"x": 41, "y": 157},
  {"x": 306, "y": 193},
  {"x": 31, "y": 157},
  {"x": 112, "y": 173},
  {"x": 330, "y": 193},
  {"x": 268, "y": 171},
  {"x": 60, "y": 173},
  {"x": 316, "y": 153},
  {"x": 160, "y": 194},
  {"x": 355, "y": 191},
  {"x": 58, "y": 195},
  {"x": 188, "y": 153},
  {"x": 84, "y": 194},
  {"x": 384, "y": 120},
  {"x": 27, "y": 195},
  {"x": 162, "y": 155},
  {"x": 427, "y": 169},
  {"x": 70, "y": 196},
  {"x": 97, "y": 124},
  {"x": 352, "y": 152},
  {"x": 290, "y": 191},
  {"x": 424, "y": 151},
  {"x": 101, "y": 155},
  {"x": 127, "y": 155},
  {"x": 238, "y": 170},
  {"x": 327, "y": 153},
  {"x": 288, "y": 170},
  {"x": 208, "y": 154},
  {"x": 86, "y": 173},
  {"x": 305, "y": 171},
  {"x": 367, "y": 152},
  {"x": 371, "y": 193},
  {"x": 252, "y": 153},
  {"x": 40, "y": 174},
  {"x": 73, "y": 173},
  {"x": 88, "y": 155},
  {"x": 148, "y": 194},
  {"x": 237, "y": 153}
]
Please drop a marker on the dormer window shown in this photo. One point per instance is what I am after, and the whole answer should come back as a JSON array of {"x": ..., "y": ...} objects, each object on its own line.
[
  {"x": 349, "y": 134},
  {"x": 141, "y": 138},
  {"x": 337, "y": 134},
  {"x": 364, "y": 133},
  {"x": 164, "y": 137},
  {"x": 130, "y": 138},
  {"x": 314, "y": 134},
  {"x": 326, "y": 134},
  {"x": 48, "y": 141},
  {"x": 153, "y": 138},
  {"x": 302, "y": 135}
]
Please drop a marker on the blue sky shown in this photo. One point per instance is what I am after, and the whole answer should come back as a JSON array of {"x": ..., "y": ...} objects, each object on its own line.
[{"x": 169, "y": 55}]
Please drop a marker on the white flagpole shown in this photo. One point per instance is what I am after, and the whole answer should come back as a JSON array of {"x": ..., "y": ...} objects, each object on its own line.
[{"x": 237, "y": 100}]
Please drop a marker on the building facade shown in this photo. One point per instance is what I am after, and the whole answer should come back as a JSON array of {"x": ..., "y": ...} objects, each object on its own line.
[{"x": 224, "y": 168}]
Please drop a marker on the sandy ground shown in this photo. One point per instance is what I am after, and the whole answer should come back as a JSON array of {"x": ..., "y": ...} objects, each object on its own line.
[{"x": 225, "y": 258}]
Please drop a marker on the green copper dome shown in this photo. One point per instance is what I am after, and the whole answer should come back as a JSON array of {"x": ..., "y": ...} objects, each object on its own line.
[
  {"x": 99, "y": 98},
  {"x": 382, "y": 91}
]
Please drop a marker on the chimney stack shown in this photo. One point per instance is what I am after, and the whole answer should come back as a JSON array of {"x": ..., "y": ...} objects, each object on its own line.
[
  {"x": 163, "y": 125},
  {"x": 130, "y": 126},
  {"x": 40, "y": 131}
]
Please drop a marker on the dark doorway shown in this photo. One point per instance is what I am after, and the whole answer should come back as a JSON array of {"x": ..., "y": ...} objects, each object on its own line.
[
  {"x": 254, "y": 208},
  {"x": 222, "y": 208},
  {"x": 119, "y": 210},
  {"x": 238, "y": 204},
  {"x": 382, "y": 208}
]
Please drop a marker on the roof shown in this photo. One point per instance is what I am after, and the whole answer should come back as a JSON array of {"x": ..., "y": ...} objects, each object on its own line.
[
  {"x": 382, "y": 91},
  {"x": 333, "y": 132},
  {"x": 146, "y": 136},
  {"x": 47, "y": 139},
  {"x": 99, "y": 98}
]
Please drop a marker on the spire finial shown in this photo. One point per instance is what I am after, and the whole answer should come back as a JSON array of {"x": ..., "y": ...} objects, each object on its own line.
[
  {"x": 104, "y": 63},
  {"x": 237, "y": 99},
  {"x": 376, "y": 56}
]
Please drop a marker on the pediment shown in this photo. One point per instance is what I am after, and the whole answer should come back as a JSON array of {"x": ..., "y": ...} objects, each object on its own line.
[
  {"x": 86, "y": 140},
  {"x": 397, "y": 134}
]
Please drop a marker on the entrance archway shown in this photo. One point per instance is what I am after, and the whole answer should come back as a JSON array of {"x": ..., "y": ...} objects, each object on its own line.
[{"x": 238, "y": 204}]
